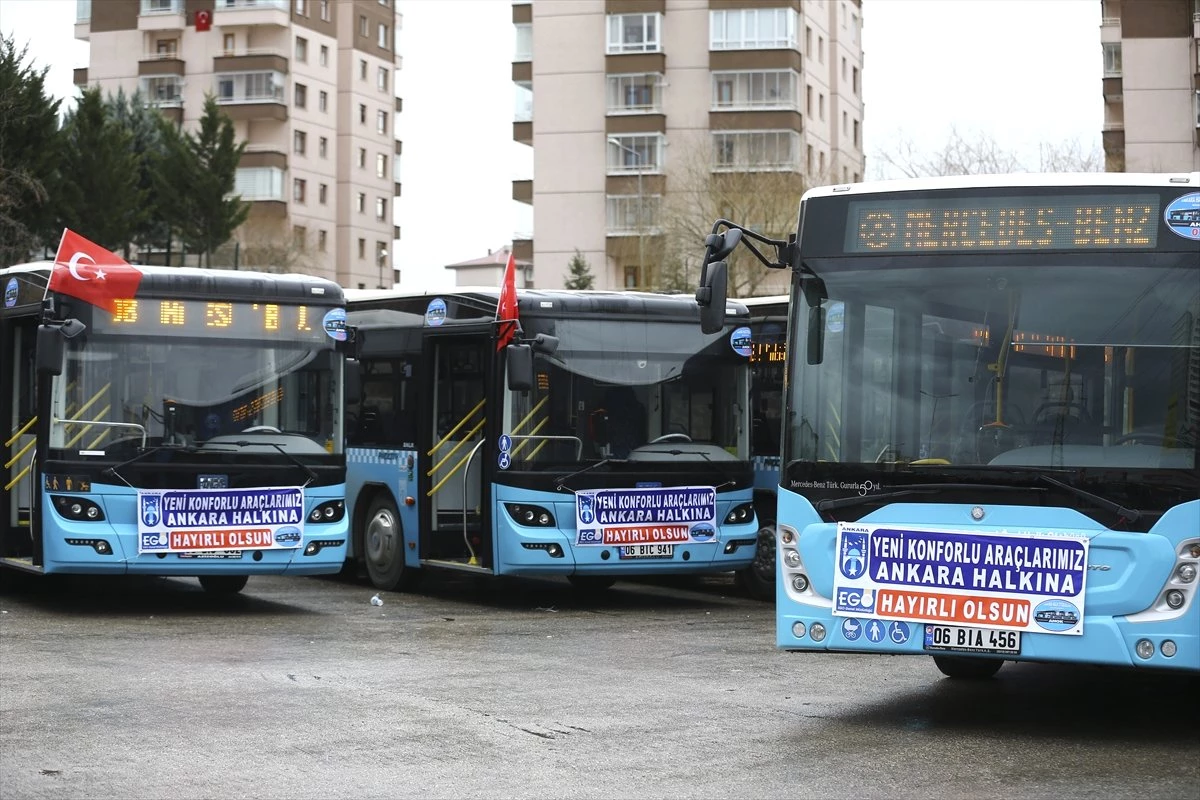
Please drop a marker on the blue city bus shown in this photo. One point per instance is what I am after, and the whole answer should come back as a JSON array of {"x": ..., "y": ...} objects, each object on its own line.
[
  {"x": 193, "y": 430},
  {"x": 609, "y": 439},
  {"x": 992, "y": 420},
  {"x": 768, "y": 334}
]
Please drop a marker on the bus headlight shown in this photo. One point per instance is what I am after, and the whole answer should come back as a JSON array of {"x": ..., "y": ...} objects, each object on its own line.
[
  {"x": 1144, "y": 648},
  {"x": 740, "y": 514},
  {"x": 530, "y": 516},
  {"x": 329, "y": 511},
  {"x": 77, "y": 508},
  {"x": 817, "y": 632},
  {"x": 1175, "y": 598},
  {"x": 800, "y": 583},
  {"x": 791, "y": 557},
  {"x": 1186, "y": 573}
]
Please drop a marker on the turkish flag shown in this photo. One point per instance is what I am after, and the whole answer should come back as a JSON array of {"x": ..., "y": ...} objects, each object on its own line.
[
  {"x": 203, "y": 20},
  {"x": 87, "y": 271},
  {"x": 506, "y": 306}
]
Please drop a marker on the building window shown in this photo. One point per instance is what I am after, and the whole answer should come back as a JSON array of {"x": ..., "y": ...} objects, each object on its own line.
[
  {"x": 362, "y": 113},
  {"x": 380, "y": 165},
  {"x": 381, "y": 79},
  {"x": 258, "y": 183},
  {"x": 324, "y": 58},
  {"x": 250, "y": 87},
  {"x": 821, "y": 49},
  {"x": 363, "y": 26},
  {"x": 162, "y": 91},
  {"x": 362, "y": 248},
  {"x": 228, "y": 42},
  {"x": 523, "y": 42},
  {"x": 845, "y": 174},
  {"x": 807, "y": 41},
  {"x": 845, "y": 72},
  {"x": 321, "y": 237},
  {"x": 766, "y": 89},
  {"x": 1112, "y": 59},
  {"x": 325, "y": 10},
  {"x": 380, "y": 208},
  {"x": 635, "y": 94},
  {"x": 323, "y": 100},
  {"x": 300, "y": 237},
  {"x": 381, "y": 38},
  {"x": 362, "y": 158},
  {"x": 821, "y": 105},
  {"x": 299, "y": 189},
  {"x": 301, "y": 95},
  {"x": 821, "y": 162},
  {"x": 854, "y": 79},
  {"x": 630, "y": 215},
  {"x": 808, "y": 100},
  {"x": 322, "y": 194},
  {"x": 323, "y": 147},
  {"x": 360, "y": 202},
  {"x": 753, "y": 29},
  {"x": 166, "y": 48},
  {"x": 754, "y": 151},
  {"x": 808, "y": 159},
  {"x": 633, "y": 276},
  {"x": 381, "y": 120},
  {"x": 629, "y": 154},
  {"x": 299, "y": 142},
  {"x": 302, "y": 8},
  {"x": 845, "y": 123},
  {"x": 522, "y": 101},
  {"x": 856, "y": 133},
  {"x": 362, "y": 69},
  {"x": 301, "y": 49},
  {"x": 634, "y": 33}
]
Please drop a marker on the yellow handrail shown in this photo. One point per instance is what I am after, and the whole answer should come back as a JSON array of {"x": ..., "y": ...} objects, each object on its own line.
[
  {"x": 89, "y": 403},
  {"x": 20, "y": 453},
  {"x": 454, "y": 449},
  {"x": 454, "y": 430},
  {"x": 103, "y": 412},
  {"x": 103, "y": 432},
  {"x": 24, "y": 428},
  {"x": 527, "y": 417},
  {"x": 517, "y": 447},
  {"x": 20, "y": 475}
]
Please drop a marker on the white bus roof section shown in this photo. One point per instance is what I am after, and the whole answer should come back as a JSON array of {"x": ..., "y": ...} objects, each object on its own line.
[{"x": 1030, "y": 180}]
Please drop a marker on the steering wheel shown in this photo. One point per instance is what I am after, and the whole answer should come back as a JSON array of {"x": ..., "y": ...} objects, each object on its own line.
[
  {"x": 1144, "y": 436},
  {"x": 261, "y": 429},
  {"x": 671, "y": 437}
]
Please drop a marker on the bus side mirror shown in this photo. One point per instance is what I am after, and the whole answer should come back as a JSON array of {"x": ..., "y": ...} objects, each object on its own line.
[
  {"x": 352, "y": 383},
  {"x": 51, "y": 347},
  {"x": 351, "y": 346},
  {"x": 545, "y": 344},
  {"x": 816, "y": 334},
  {"x": 520, "y": 367},
  {"x": 711, "y": 297}
]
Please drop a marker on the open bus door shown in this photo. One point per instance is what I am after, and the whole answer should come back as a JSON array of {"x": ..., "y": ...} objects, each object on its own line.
[
  {"x": 455, "y": 494},
  {"x": 19, "y": 536}
]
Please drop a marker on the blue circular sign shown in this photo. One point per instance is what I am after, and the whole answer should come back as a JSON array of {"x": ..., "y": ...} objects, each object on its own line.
[
  {"x": 1056, "y": 615},
  {"x": 740, "y": 341},
  {"x": 898, "y": 632},
  {"x": 505, "y": 443},
  {"x": 852, "y": 628},
  {"x": 435, "y": 312},
  {"x": 10, "y": 293},
  {"x": 1182, "y": 216},
  {"x": 335, "y": 324},
  {"x": 835, "y": 318},
  {"x": 503, "y": 460}
]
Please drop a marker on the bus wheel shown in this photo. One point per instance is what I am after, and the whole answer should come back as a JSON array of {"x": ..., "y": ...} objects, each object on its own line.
[
  {"x": 758, "y": 578},
  {"x": 590, "y": 584},
  {"x": 223, "y": 584},
  {"x": 383, "y": 545},
  {"x": 974, "y": 669}
]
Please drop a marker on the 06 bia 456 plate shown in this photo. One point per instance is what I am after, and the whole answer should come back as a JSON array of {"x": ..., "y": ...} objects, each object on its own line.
[{"x": 972, "y": 640}]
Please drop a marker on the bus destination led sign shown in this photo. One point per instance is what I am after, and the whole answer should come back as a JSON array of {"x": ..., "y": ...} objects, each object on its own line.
[
  {"x": 1091, "y": 222},
  {"x": 167, "y": 317}
]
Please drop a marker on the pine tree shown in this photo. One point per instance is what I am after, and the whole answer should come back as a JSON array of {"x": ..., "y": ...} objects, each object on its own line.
[
  {"x": 142, "y": 122},
  {"x": 581, "y": 272},
  {"x": 100, "y": 196},
  {"x": 29, "y": 157}
]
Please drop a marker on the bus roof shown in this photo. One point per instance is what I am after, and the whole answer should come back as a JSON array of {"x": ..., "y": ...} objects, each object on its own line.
[
  {"x": 580, "y": 300},
  {"x": 198, "y": 282},
  {"x": 1019, "y": 180}
]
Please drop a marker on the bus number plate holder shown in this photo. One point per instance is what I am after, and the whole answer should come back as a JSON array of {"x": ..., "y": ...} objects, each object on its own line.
[
  {"x": 646, "y": 551},
  {"x": 972, "y": 640}
]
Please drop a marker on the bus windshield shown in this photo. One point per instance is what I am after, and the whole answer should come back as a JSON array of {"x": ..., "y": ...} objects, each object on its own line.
[
  {"x": 1022, "y": 367},
  {"x": 640, "y": 390},
  {"x": 120, "y": 392}
]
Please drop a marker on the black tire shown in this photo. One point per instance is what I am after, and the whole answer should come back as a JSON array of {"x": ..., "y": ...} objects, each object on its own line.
[
  {"x": 591, "y": 584},
  {"x": 758, "y": 579},
  {"x": 382, "y": 548},
  {"x": 223, "y": 584},
  {"x": 965, "y": 668}
]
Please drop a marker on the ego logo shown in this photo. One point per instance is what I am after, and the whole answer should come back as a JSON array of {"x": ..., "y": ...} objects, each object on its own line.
[
  {"x": 151, "y": 515},
  {"x": 435, "y": 312},
  {"x": 154, "y": 541},
  {"x": 852, "y": 560},
  {"x": 590, "y": 536},
  {"x": 10, "y": 293}
]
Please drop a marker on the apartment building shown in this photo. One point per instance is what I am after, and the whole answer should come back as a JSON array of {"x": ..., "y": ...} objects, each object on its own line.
[
  {"x": 1151, "y": 85},
  {"x": 310, "y": 87},
  {"x": 648, "y": 110}
]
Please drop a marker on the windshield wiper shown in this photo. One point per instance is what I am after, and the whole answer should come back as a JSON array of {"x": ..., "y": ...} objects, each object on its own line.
[
  {"x": 1126, "y": 514},
  {"x": 142, "y": 455},
  {"x": 561, "y": 483},
  {"x": 915, "y": 488},
  {"x": 312, "y": 475}
]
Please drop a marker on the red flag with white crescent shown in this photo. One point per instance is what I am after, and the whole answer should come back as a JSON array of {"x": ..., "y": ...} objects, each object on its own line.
[
  {"x": 87, "y": 271},
  {"x": 506, "y": 306}
]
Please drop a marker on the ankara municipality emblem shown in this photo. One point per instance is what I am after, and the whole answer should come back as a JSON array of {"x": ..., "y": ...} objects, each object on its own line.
[
  {"x": 852, "y": 560},
  {"x": 150, "y": 511},
  {"x": 586, "y": 515}
]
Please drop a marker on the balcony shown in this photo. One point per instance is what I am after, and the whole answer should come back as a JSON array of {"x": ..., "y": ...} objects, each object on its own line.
[
  {"x": 81, "y": 76},
  {"x": 251, "y": 61},
  {"x": 1113, "y": 89},
  {"x": 252, "y": 96},
  {"x": 522, "y": 191},
  {"x": 83, "y": 19},
  {"x": 233, "y": 13},
  {"x": 160, "y": 64},
  {"x": 523, "y": 132},
  {"x": 162, "y": 15}
]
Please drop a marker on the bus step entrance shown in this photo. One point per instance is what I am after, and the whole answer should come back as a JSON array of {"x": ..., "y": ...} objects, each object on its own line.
[{"x": 452, "y": 542}]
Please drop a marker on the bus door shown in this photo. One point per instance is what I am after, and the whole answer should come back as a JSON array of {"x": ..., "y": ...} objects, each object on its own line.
[
  {"x": 455, "y": 451},
  {"x": 20, "y": 450}
]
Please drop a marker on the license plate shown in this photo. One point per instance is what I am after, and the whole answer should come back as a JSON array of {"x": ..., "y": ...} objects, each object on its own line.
[
  {"x": 212, "y": 554},
  {"x": 647, "y": 551},
  {"x": 972, "y": 640}
]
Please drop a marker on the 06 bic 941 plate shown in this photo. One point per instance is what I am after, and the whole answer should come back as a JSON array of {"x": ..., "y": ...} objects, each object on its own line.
[
  {"x": 647, "y": 551},
  {"x": 972, "y": 640}
]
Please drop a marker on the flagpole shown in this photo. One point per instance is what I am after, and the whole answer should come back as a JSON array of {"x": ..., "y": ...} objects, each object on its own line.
[{"x": 46, "y": 290}]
